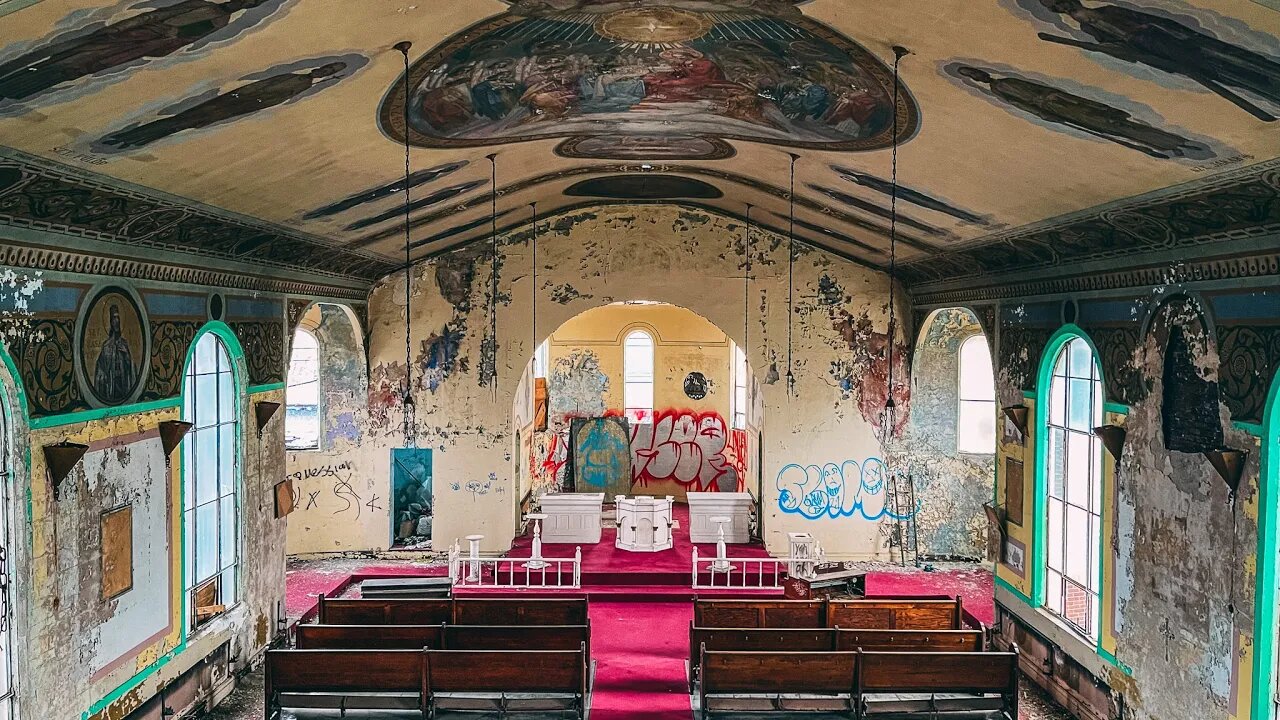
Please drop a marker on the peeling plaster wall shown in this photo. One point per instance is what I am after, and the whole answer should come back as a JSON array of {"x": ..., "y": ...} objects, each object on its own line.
[
  {"x": 952, "y": 523},
  {"x": 80, "y": 655},
  {"x": 338, "y": 508},
  {"x": 1179, "y": 550},
  {"x": 665, "y": 254}
]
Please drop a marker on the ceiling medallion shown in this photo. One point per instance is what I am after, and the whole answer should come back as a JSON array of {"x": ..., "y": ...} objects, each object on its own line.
[{"x": 661, "y": 26}]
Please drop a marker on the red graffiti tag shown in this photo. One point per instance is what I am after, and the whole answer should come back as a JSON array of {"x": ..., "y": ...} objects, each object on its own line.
[{"x": 681, "y": 446}]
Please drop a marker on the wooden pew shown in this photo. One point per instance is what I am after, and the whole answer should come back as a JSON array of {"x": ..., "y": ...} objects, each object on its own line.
[
  {"x": 749, "y": 639},
  {"x": 990, "y": 679},
  {"x": 896, "y": 614},
  {"x": 519, "y": 611},
  {"x": 806, "y": 674},
  {"x": 760, "y": 613},
  {"x": 910, "y": 640},
  {"x": 518, "y": 637},
  {"x": 391, "y": 611},
  {"x": 483, "y": 673},
  {"x": 335, "y": 672},
  {"x": 369, "y": 637}
]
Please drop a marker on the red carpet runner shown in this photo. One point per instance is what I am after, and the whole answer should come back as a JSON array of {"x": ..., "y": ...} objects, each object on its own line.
[{"x": 640, "y": 650}]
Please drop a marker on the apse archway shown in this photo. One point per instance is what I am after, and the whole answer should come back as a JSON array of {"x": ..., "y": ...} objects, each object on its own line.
[{"x": 637, "y": 398}]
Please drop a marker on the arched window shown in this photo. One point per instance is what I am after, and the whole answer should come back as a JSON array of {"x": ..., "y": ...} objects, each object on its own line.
[
  {"x": 1073, "y": 475},
  {"x": 637, "y": 376},
  {"x": 302, "y": 396},
  {"x": 976, "y": 429},
  {"x": 741, "y": 381},
  {"x": 210, "y": 480}
]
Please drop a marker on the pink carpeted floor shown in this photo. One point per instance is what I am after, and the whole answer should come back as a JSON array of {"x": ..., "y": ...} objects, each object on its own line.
[
  {"x": 640, "y": 650},
  {"x": 976, "y": 586}
]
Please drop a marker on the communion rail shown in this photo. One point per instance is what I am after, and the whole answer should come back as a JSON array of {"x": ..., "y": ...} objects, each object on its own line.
[{"x": 477, "y": 572}]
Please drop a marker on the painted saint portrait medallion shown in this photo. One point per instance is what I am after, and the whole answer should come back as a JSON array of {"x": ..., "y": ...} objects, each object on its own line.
[
  {"x": 112, "y": 347},
  {"x": 611, "y": 78}
]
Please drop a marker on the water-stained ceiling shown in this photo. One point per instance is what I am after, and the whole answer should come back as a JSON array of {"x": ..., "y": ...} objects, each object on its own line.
[{"x": 288, "y": 118}]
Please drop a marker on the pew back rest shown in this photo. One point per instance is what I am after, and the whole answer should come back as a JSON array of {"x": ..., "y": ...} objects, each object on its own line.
[
  {"x": 826, "y": 673},
  {"x": 368, "y": 637},
  {"x": 394, "y": 611},
  {"x": 905, "y": 640},
  {"x": 904, "y": 672},
  {"x": 777, "y": 639},
  {"x": 507, "y": 671},
  {"x": 303, "y": 671},
  {"x": 760, "y": 613},
  {"x": 512, "y": 611},
  {"x": 516, "y": 637},
  {"x": 895, "y": 614}
]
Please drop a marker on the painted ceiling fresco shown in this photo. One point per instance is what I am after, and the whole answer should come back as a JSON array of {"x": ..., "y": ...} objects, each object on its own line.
[{"x": 1033, "y": 132}]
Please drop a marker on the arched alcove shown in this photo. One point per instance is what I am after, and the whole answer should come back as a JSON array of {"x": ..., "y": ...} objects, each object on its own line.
[
  {"x": 673, "y": 384},
  {"x": 951, "y": 440}
]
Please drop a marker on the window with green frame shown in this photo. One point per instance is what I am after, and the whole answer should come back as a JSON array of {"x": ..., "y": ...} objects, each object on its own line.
[{"x": 1073, "y": 488}]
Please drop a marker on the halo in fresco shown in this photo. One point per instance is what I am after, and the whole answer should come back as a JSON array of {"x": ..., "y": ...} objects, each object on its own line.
[
  {"x": 112, "y": 347},
  {"x": 611, "y": 77}
]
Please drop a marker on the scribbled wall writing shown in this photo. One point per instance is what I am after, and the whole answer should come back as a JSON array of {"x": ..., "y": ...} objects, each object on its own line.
[
  {"x": 851, "y": 489},
  {"x": 686, "y": 448},
  {"x": 610, "y": 75}
]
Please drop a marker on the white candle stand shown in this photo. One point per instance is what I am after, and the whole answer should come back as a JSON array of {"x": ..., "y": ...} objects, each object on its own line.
[
  {"x": 721, "y": 563},
  {"x": 535, "y": 560},
  {"x": 473, "y": 575}
]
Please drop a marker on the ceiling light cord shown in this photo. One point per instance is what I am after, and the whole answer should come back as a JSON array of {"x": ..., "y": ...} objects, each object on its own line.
[
  {"x": 791, "y": 271},
  {"x": 410, "y": 439},
  {"x": 493, "y": 291},
  {"x": 533, "y": 290},
  {"x": 746, "y": 286},
  {"x": 890, "y": 405}
]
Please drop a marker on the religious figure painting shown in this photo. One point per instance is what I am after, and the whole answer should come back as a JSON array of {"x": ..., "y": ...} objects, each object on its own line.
[
  {"x": 253, "y": 94},
  {"x": 1066, "y": 106},
  {"x": 112, "y": 347},
  {"x": 1168, "y": 41},
  {"x": 114, "y": 40},
  {"x": 617, "y": 79}
]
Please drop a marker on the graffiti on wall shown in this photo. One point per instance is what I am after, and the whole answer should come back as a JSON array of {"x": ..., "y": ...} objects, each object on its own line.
[
  {"x": 850, "y": 489},
  {"x": 601, "y": 455},
  {"x": 550, "y": 455},
  {"x": 684, "y": 447}
]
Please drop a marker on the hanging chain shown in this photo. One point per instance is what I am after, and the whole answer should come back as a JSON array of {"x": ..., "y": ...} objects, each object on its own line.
[
  {"x": 890, "y": 405},
  {"x": 791, "y": 271},
  {"x": 533, "y": 292},
  {"x": 407, "y": 401},
  {"x": 746, "y": 286},
  {"x": 493, "y": 292}
]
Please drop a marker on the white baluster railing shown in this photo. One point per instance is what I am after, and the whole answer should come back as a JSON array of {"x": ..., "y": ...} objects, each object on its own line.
[
  {"x": 738, "y": 573},
  {"x": 512, "y": 573}
]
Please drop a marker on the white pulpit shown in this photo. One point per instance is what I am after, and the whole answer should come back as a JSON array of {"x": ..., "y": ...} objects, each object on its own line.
[
  {"x": 644, "y": 523},
  {"x": 572, "y": 517},
  {"x": 703, "y": 506}
]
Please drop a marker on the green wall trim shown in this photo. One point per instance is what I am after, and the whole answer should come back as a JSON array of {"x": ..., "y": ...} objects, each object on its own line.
[
  {"x": 1113, "y": 661},
  {"x": 236, "y": 351},
  {"x": 269, "y": 387},
  {"x": 1015, "y": 591},
  {"x": 1264, "y": 616},
  {"x": 1254, "y": 429},
  {"x": 84, "y": 416},
  {"x": 1112, "y": 407},
  {"x": 1029, "y": 394}
]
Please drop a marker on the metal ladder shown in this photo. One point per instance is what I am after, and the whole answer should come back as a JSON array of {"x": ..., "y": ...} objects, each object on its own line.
[{"x": 903, "y": 505}]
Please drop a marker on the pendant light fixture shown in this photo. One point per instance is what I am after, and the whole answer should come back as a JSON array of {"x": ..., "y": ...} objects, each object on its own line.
[
  {"x": 890, "y": 420},
  {"x": 493, "y": 290},
  {"x": 791, "y": 271},
  {"x": 407, "y": 402}
]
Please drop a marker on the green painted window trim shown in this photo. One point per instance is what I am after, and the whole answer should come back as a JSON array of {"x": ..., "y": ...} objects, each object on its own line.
[
  {"x": 269, "y": 387},
  {"x": 236, "y": 351},
  {"x": 85, "y": 416},
  {"x": 1008, "y": 587},
  {"x": 1254, "y": 429},
  {"x": 1065, "y": 334},
  {"x": 1264, "y": 616}
]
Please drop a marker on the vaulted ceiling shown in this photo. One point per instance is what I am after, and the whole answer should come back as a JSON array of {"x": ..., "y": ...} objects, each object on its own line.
[{"x": 1030, "y": 130}]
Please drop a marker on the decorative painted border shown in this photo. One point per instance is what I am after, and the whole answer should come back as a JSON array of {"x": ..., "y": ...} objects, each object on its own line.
[{"x": 21, "y": 255}]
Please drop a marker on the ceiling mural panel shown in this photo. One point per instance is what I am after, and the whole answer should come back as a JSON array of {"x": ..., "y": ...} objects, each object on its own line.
[
  {"x": 611, "y": 74},
  {"x": 1036, "y": 133}
]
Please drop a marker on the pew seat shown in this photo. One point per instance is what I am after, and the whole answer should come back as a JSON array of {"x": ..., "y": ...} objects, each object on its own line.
[{"x": 735, "y": 681}]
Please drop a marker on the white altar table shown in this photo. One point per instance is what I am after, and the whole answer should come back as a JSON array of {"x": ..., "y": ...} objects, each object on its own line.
[
  {"x": 644, "y": 523},
  {"x": 703, "y": 506},
  {"x": 572, "y": 517}
]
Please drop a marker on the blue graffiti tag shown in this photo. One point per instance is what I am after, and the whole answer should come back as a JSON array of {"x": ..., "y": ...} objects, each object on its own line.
[{"x": 835, "y": 491}]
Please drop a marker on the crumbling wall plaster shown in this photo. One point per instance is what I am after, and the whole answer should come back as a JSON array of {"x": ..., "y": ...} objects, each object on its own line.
[{"x": 691, "y": 259}]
